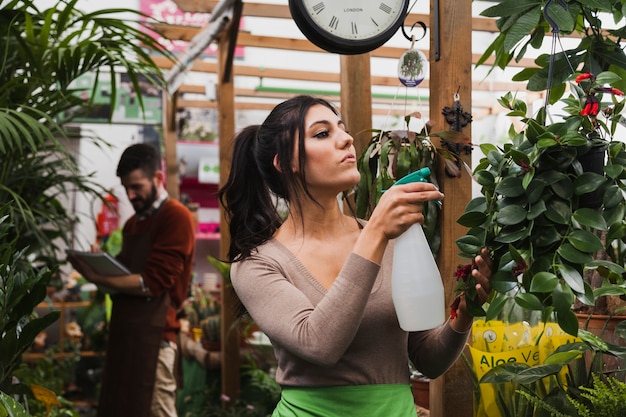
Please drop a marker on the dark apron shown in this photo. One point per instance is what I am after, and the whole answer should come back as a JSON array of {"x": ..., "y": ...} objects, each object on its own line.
[{"x": 136, "y": 332}]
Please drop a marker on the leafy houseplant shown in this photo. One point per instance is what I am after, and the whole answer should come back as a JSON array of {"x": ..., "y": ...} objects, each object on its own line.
[
  {"x": 579, "y": 391},
  {"x": 203, "y": 311},
  {"x": 43, "y": 52},
  {"x": 22, "y": 287},
  {"x": 532, "y": 214},
  {"x": 524, "y": 25},
  {"x": 392, "y": 154}
]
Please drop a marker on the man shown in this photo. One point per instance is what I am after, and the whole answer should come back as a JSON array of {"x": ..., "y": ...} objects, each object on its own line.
[{"x": 158, "y": 247}]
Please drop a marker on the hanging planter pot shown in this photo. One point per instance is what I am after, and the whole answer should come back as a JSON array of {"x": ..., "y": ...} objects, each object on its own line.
[{"x": 592, "y": 161}]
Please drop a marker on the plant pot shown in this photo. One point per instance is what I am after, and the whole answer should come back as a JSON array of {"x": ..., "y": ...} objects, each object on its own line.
[
  {"x": 603, "y": 326},
  {"x": 420, "y": 386},
  {"x": 592, "y": 161}
]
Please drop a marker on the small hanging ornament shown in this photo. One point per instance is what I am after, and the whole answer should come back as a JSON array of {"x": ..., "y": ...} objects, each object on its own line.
[
  {"x": 455, "y": 116},
  {"x": 456, "y": 144},
  {"x": 413, "y": 64},
  {"x": 412, "y": 67}
]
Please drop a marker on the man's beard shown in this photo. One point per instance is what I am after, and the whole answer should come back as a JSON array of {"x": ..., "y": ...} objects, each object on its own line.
[{"x": 143, "y": 205}]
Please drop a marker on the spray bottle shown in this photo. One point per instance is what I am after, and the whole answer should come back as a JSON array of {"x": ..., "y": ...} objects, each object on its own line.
[{"x": 416, "y": 286}]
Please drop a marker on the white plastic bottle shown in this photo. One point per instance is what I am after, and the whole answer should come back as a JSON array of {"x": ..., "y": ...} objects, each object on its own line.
[{"x": 416, "y": 286}]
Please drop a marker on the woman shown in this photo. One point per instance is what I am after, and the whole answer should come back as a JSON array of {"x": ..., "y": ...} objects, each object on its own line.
[{"x": 317, "y": 281}]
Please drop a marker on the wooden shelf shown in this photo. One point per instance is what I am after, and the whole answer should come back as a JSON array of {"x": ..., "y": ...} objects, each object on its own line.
[
  {"x": 33, "y": 356},
  {"x": 64, "y": 304},
  {"x": 207, "y": 236}
]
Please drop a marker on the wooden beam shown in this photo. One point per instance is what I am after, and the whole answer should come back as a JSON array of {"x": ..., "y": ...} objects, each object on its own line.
[
  {"x": 226, "y": 126},
  {"x": 186, "y": 33},
  {"x": 356, "y": 96},
  {"x": 451, "y": 393},
  {"x": 169, "y": 144},
  {"x": 329, "y": 77},
  {"x": 281, "y": 11}
]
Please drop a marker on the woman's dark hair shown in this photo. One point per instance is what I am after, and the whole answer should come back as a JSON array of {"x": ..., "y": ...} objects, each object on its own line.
[
  {"x": 248, "y": 194},
  {"x": 139, "y": 156}
]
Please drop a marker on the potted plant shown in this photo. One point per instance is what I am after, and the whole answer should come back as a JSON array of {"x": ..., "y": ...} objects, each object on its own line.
[
  {"x": 526, "y": 25},
  {"x": 44, "y": 51},
  {"x": 203, "y": 311},
  {"x": 532, "y": 214},
  {"x": 563, "y": 383},
  {"x": 392, "y": 154}
]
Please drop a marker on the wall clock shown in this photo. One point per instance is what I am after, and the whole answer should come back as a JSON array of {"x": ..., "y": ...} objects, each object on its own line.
[{"x": 348, "y": 26}]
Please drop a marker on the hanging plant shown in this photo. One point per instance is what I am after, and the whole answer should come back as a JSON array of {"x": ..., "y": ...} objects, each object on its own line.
[{"x": 392, "y": 154}]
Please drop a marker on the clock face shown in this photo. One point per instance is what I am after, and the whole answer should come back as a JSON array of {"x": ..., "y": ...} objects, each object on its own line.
[{"x": 348, "y": 26}]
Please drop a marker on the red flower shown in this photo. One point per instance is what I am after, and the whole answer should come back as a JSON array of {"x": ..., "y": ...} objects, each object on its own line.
[
  {"x": 463, "y": 272},
  {"x": 610, "y": 90},
  {"x": 454, "y": 307},
  {"x": 519, "y": 268},
  {"x": 592, "y": 107},
  {"x": 583, "y": 76},
  {"x": 525, "y": 166}
]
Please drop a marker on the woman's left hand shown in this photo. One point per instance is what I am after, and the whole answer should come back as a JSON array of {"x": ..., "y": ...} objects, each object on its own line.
[{"x": 482, "y": 273}]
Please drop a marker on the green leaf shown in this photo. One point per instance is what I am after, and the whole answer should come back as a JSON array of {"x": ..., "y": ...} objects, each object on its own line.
[
  {"x": 11, "y": 407},
  {"x": 567, "y": 321},
  {"x": 571, "y": 254},
  {"x": 469, "y": 245},
  {"x": 487, "y": 148},
  {"x": 472, "y": 219},
  {"x": 511, "y": 8},
  {"x": 529, "y": 301},
  {"x": 573, "y": 278},
  {"x": 544, "y": 282},
  {"x": 485, "y": 178},
  {"x": 585, "y": 241},
  {"x": 520, "y": 373},
  {"x": 511, "y": 234},
  {"x": 536, "y": 210},
  {"x": 496, "y": 306},
  {"x": 503, "y": 281},
  {"x": 588, "y": 182},
  {"x": 590, "y": 218},
  {"x": 558, "y": 211},
  {"x": 511, "y": 214},
  {"x": 510, "y": 187},
  {"x": 521, "y": 28},
  {"x": 563, "y": 297},
  {"x": 562, "y": 358}
]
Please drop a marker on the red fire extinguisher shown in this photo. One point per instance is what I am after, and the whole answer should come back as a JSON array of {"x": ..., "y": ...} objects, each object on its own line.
[{"x": 108, "y": 219}]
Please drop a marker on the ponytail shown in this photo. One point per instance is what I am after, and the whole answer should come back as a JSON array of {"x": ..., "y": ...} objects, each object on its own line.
[{"x": 251, "y": 213}]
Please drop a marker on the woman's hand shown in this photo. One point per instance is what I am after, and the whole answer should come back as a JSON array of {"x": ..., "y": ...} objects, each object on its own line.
[
  {"x": 401, "y": 206},
  {"x": 482, "y": 272}
]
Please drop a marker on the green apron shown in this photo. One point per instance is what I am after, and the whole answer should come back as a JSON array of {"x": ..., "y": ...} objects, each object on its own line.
[{"x": 384, "y": 400}]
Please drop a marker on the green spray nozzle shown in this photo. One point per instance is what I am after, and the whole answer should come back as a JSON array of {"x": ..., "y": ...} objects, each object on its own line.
[
  {"x": 417, "y": 176},
  {"x": 420, "y": 175}
]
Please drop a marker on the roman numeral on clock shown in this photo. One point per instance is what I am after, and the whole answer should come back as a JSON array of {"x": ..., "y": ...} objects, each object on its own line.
[
  {"x": 334, "y": 22},
  {"x": 319, "y": 7}
]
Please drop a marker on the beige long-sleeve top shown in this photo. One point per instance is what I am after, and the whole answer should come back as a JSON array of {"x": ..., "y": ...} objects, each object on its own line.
[{"x": 346, "y": 335}]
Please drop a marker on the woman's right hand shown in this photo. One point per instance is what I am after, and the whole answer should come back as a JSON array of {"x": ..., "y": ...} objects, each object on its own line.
[
  {"x": 401, "y": 206},
  {"x": 398, "y": 208}
]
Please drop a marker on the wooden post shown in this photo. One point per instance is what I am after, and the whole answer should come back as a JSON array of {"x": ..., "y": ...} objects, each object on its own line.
[
  {"x": 226, "y": 120},
  {"x": 356, "y": 97},
  {"x": 169, "y": 143},
  {"x": 451, "y": 394}
]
